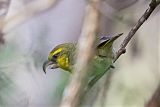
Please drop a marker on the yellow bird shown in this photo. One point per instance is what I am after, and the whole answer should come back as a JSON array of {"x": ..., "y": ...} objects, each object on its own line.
[{"x": 63, "y": 56}]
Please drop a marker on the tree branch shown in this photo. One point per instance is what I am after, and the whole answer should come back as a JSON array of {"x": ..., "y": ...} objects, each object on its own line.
[
  {"x": 74, "y": 92},
  {"x": 145, "y": 16},
  {"x": 122, "y": 50}
]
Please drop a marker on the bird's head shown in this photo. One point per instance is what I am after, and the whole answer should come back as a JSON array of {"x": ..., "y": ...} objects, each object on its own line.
[{"x": 59, "y": 57}]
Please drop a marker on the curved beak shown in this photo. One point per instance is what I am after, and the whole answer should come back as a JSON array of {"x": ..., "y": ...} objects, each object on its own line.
[{"x": 49, "y": 63}]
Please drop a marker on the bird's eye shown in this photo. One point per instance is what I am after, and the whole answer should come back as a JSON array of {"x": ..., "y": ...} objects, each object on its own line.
[{"x": 55, "y": 56}]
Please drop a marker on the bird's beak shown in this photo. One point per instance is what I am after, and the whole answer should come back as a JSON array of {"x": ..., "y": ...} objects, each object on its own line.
[
  {"x": 49, "y": 63},
  {"x": 115, "y": 37},
  {"x": 112, "y": 39}
]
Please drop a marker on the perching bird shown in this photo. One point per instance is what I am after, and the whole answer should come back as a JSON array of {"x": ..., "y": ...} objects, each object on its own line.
[{"x": 63, "y": 56}]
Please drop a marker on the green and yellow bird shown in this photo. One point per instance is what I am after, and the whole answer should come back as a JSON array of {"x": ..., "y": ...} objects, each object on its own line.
[{"x": 63, "y": 56}]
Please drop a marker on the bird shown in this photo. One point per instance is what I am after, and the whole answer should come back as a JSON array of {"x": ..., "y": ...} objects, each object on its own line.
[{"x": 63, "y": 56}]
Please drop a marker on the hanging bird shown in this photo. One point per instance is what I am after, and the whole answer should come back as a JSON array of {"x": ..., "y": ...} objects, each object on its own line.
[{"x": 63, "y": 56}]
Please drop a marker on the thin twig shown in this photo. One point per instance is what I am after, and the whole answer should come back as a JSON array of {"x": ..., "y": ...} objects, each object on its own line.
[
  {"x": 145, "y": 16},
  {"x": 75, "y": 90},
  {"x": 154, "y": 102},
  {"x": 122, "y": 50}
]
